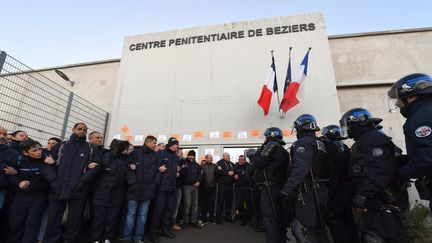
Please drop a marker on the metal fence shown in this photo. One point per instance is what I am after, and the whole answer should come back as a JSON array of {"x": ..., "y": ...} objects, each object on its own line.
[{"x": 31, "y": 102}]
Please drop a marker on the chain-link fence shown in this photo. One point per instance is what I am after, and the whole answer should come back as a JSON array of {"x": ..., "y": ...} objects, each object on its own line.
[{"x": 31, "y": 102}]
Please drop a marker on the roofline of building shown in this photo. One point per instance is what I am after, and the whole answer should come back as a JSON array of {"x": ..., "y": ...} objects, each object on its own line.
[
  {"x": 330, "y": 37},
  {"x": 386, "y": 32}
]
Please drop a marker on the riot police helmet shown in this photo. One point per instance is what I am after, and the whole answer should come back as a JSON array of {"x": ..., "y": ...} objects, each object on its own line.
[
  {"x": 273, "y": 133},
  {"x": 332, "y": 132},
  {"x": 306, "y": 122},
  {"x": 411, "y": 85},
  {"x": 357, "y": 118}
]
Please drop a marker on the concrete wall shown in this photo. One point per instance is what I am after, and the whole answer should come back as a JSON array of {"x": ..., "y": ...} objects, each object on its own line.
[{"x": 367, "y": 64}]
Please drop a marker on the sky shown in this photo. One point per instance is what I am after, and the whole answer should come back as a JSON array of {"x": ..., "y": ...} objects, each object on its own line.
[{"x": 52, "y": 33}]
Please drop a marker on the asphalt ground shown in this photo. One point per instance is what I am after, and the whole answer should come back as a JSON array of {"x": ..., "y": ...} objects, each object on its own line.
[{"x": 214, "y": 233}]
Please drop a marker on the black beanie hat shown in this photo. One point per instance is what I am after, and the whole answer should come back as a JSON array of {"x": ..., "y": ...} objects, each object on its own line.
[
  {"x": 172, "y": 141},
  {"x": 191, "y": 153}
]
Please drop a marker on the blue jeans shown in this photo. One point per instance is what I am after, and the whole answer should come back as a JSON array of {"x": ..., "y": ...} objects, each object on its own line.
[
  {"x": 2, "y": 198},
  {"x": 178, "y": 198},
  {"x": 135, "y": 219}
]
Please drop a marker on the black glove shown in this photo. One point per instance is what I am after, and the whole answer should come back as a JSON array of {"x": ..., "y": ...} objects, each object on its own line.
[{"x": 359, "y": 201}]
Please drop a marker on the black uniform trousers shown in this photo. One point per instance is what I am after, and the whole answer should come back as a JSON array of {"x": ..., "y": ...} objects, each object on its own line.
[
  {"x": 25, "y": 217},
  {"x": 275, "y": 227},
  {"x": 208, "y": 203},
  {"x": 244, "y": 202},
  {"x": 56, "y": 210},
  {"x": 224, "y": 198},
  {"x": 104, "y": 221},
  {"x": 163, "y": 209}
]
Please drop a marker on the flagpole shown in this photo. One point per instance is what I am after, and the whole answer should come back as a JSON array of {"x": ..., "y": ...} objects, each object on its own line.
[
  {"x": 289, "y": 62},
  {"x": 277, "y": 91}
]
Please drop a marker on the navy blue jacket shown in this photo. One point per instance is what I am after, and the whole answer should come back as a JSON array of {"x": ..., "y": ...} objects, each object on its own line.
[
  {"x": 110, "y": 185},
  {"x": 69, "y": 176},
  {"x": 141, "y": 181},
  {"x": 29, "y": 169},
  {"x": 418, "y": 140},
  {"x": 373, "y": 163},
  {"x": 167, "y": 181},
  {"x": 339, "y": 157},
  {"x": 190, "y": 172},
  {"x": 244, "y": 173},
  {"x": 7, "y": 156},
  {"x": 307, "y": 153}
]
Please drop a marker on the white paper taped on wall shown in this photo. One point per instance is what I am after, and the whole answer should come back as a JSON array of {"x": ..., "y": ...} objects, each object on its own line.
[
  {"x": 214, "y": 134},
  {"x": 187, "y": 138},
  {"x": 117, "y": 136},
  {"x": 242, "y": 135}
]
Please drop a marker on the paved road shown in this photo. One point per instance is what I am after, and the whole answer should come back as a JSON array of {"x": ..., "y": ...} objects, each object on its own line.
[{"x": 213, "y": 233}]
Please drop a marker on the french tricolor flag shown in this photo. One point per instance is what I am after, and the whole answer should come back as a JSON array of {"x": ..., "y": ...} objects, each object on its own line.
[
  {"x": 269, "y": 88},
  {"x": 292, "y": 96}
]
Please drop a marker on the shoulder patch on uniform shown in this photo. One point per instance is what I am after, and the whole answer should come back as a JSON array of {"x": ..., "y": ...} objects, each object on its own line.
[
  {"x": 377, "y": 152},
  {"x": 321, "y": 146},
  {"x": 423, "y": 131},
  {"x": 300, "y": 150}
]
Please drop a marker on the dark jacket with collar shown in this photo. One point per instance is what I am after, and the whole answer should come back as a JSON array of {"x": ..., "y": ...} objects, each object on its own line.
[
  {"x": 141, "y": 181},
  {"x": 167, "y": 181},
  {"x": 110, "y": 185},
  {"x": 7, "y": 156},
  {"x": 190, "y": 173},
  {"x": 69, "y": 176},
  {"x": 225, "y": 167},
  {"x": 29, "y": 169}
]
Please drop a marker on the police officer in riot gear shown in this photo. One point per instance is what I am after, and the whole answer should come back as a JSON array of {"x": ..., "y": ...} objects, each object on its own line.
[
  {"x": 339, "y": 214},
  {"x": 272, "y": 162},
  {"x": 307, "y": 182},
  {"x": 374, "y": 170},
  {"x": 412, "y": 94}
]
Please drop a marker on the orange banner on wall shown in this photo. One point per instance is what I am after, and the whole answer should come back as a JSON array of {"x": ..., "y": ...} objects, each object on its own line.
[
  {"x": 287, "y": 133},
  {"x": 255, "y": 133},
  {"x": 198, "y": 134},
  {"x": 227, "y": 134}
]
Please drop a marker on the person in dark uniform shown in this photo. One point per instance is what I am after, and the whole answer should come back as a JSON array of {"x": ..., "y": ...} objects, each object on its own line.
[
  {"x": 225, "y": 192},
  {"x": 191, "y": 175},
  {"x": 74, "y": 168},
  {"x": 373, "y": 169},
  {"x": 242, "y": 184},
  {"x": 341, "y": 191},
  {"x": 30, "y": 193},
  {"x": 141, "y": 188},
  {"x": 412, "y": 94},
  {"x": 109, "y": 192},
  {"x": 272, "y": 162},
  {"x": 7, "y": 156},
  {"x": 307, "y": 182},
  {"x": 165, "y": 194}
]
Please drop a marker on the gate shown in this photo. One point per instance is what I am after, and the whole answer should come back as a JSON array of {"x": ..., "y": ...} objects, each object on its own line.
[{"x": 31, "y": 102}]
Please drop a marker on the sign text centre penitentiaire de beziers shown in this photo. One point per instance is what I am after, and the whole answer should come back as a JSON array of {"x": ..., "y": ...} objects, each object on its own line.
[{"x": 286, "y": 29}]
